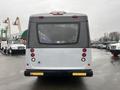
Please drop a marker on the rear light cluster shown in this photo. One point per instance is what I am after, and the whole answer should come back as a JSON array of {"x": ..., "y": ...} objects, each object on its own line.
[
  {"x": 32, "y": 50},
  {"x": 84, "y": 50}
]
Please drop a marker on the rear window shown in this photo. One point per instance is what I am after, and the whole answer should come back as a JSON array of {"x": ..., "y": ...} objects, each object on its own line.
[{"x": 60, "y": 33}]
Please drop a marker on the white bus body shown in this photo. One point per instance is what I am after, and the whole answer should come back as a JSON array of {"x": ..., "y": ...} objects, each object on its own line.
[{"x": 58, "y": 44}]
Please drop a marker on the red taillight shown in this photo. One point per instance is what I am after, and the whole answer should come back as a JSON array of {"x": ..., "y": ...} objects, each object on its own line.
[
  {"x": 84, "y": 54},
  {"x": 84, "y": 50},
  {"x": 32, "y": 54},
  {"x": 32, "y": 50}
]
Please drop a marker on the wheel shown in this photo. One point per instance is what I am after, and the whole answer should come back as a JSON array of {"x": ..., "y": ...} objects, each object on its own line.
[
  {"x": 24, "y": 52},
  {"x": 10, "y": 51},
  {"x": 4, "y": 50}
]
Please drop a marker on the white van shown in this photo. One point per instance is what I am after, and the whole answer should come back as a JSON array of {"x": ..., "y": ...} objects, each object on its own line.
[{"x": 58, "y": 44}]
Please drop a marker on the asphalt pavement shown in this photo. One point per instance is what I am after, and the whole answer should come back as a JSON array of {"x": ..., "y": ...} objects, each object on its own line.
[{"x": 105, "y": 67}]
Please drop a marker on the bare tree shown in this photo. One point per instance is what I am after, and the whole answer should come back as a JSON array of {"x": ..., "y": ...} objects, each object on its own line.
[{"x": 114, "y": 36}]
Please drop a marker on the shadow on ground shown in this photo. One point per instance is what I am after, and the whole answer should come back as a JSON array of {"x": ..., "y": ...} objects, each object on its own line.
[
  {"x": 56, "y": 83},
  {"x": 115, "y": 60}
]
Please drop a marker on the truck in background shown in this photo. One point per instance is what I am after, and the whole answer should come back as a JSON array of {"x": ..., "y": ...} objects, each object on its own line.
[
  {"x": 115, "y": 49},
  {"x": 13, "y": 47}
]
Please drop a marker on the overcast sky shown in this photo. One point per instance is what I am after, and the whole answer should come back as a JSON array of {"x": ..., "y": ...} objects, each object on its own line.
[{"x": 104, "y": 15}]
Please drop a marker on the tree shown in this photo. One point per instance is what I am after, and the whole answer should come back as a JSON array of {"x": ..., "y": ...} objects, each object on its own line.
[{"x": 114, "y": 36}]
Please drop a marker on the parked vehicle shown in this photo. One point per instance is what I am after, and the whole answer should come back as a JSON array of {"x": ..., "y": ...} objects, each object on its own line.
[
  {"x": 101, "y": 46},
  {"x": 115, "y": 49},
  {"x": 58, "y": 44},
  {"x": 108, "y": 47},
  {"x": 94, "y": 45},
  {"x": 13, "y": 47}
]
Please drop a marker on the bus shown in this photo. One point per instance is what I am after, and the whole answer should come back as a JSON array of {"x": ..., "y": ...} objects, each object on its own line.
[{"x": 58, "y": 44}]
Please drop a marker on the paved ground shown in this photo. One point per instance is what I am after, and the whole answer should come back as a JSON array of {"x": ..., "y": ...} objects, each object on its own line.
[{"x": 106, "y": 75}]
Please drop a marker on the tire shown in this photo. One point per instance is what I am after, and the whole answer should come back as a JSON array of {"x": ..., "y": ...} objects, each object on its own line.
[
  {"x": 24, "y": 52},
  {"x": 4, "y": 51},
  {"x": 2, "y": 48},
  {"x": 10, "y": 51}
]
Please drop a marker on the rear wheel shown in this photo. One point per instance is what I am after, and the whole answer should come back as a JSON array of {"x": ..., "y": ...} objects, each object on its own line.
[
  {"x": 4, "y": 50},
  {"x": 10, "y": 51}
]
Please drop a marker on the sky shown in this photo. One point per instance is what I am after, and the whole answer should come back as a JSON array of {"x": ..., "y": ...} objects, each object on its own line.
[{"x": 103, "y": 15}]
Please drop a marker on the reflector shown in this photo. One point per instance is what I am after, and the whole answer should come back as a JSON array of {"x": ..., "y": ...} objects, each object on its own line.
[
  {"x": 78, "y": 74},
  {"x": 37, "y": 73},
  {"x": 32, "y": 54},
  {"x": 32, "y": 50},
  {"x": 84, "y": 50},
  {"x": 84, "y": 54}
]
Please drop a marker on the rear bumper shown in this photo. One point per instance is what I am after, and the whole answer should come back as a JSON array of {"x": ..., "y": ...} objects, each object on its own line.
[{"x": 75, "y": 73}]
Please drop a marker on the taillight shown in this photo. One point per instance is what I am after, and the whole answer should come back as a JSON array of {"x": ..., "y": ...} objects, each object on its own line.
[
  {"x": 32, "y": 50},
  {"x": 84, "y": 54},
  {"x": 32, "y": 54},
  {"x": 84, "y": 49},
  {"x": 83, "y": 59},
  {"x": 33, "y": 59}
]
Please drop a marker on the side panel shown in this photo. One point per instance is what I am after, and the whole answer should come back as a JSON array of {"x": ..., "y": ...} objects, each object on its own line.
[{"x": 58, "y": 58}]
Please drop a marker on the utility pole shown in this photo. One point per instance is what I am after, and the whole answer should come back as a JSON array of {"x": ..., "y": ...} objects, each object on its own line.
[
  {"x": 3, "y": 33},
  {"x": 17, "y": 22},
  {"x": 8, "y": 28}
]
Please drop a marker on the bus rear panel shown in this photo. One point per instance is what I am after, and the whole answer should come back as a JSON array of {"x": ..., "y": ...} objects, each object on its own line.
[{"x": 58, "y": 44}]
